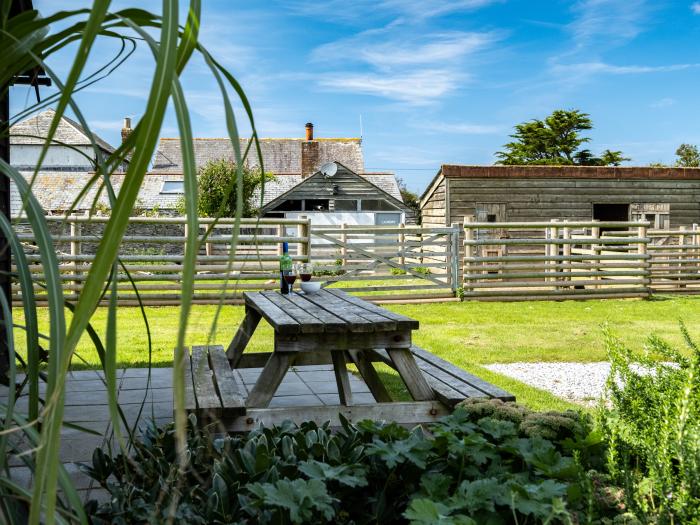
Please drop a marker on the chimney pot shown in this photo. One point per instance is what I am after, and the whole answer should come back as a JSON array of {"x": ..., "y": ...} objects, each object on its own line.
[
  {"x": 126, "y": 129},
  {"x": 309, "y": 131}
]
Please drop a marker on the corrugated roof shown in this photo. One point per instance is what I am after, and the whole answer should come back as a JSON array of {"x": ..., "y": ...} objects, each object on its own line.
[
  {"x": 280, "y": 156},
  {"x": 68, "y": 131}
]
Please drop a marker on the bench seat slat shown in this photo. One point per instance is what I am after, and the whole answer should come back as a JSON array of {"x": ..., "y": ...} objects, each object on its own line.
[
  {"x": 231, "y": 390},
  {"x": 208, "y": 400}
]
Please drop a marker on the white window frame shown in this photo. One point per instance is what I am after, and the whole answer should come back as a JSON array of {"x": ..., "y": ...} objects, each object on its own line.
[{"x": 173, "y": 192}]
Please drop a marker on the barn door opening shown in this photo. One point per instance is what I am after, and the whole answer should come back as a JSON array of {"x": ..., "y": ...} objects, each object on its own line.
[{"x": 611, "y": 212}]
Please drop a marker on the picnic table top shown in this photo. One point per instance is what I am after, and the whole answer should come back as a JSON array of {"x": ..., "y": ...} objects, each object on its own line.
[{"x": 328, "y": 311}]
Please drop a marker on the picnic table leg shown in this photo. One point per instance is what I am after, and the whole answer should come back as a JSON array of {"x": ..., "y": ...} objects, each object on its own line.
[
  {"x": 341, "y": 377},
  {"x": 410, "y": 374},
  {"x": 269, "y": 379},
  {"x": 370, "y": 375},
  {"x": 243, "y": 335}
]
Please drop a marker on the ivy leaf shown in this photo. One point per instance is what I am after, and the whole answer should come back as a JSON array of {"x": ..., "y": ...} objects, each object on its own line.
[
  {"x": 423, "y": 511},
  {"x": 349, "y": 475},
  {"x": 303, "y": 499}
]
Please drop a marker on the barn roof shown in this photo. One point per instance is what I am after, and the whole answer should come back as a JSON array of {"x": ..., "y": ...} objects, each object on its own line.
[
  {"x": 31, "y": 131},
  {"x": 281, "y": 156}
]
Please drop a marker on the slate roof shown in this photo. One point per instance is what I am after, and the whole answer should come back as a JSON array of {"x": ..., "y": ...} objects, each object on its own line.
[
  {"x": 68, "y": 131},
  {"x": 281, "y": 156}
]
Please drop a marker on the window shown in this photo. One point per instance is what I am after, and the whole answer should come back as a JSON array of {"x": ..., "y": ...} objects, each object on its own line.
[
  {"x": 173, "y": 186},
  {"x": 376, "y": 205},
  {"x": 345, "y": 205},
  {"x": 289, "y": 205},
  {"x": 316, "y": 205},
  {"x": 387, "y": 219},
  {"x": 491, "y": 217}
]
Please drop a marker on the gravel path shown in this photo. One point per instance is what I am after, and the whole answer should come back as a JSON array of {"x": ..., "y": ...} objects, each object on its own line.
[{"x": 576, "y": 382}]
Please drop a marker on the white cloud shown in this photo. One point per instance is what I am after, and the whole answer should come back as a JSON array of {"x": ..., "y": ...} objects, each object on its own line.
[
  {"x": 417, "y": 88},
  {"x": 360, "y": 10},
  {"x": 386, "y": 48},
  {"x": 607, "y": 21},
  {"x": 590, "y": 68},
  {"x": 663, "y": 103},
  {"x": 695, "y": 8},
  {"x": 463, "y": 128}
]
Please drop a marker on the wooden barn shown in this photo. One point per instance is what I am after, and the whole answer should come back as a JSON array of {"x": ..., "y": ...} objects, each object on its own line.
[{"x": 667, "y": 197}]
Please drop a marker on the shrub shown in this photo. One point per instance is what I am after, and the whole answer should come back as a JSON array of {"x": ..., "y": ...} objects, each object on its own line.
[
  {"x": 466, "y": 469},
  {"x": 653, "y": 428}
]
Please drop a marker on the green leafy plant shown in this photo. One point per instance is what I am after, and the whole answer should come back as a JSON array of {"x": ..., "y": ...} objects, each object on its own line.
[
  {"x": 653, "y": 428},
  {"x": 485, "y": 463},
  {"x": 29, "y": 43}
]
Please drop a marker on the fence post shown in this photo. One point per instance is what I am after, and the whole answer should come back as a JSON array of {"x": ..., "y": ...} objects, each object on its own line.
[
  {"x": 303, "y": 231},
  {"x": 453, "y": 268},
  {"x": 642, "y": 251},
  {"x": 468, "y": 251},
  {"x": 553, "y": 251},
  {"x": 695, "y": 253},
  {"x": 75, "y": 231},
  {"x": 280, "y": 233},
  {"x": 344, "y": 241},
  {"x": 595, "y": 250},
  {"x": 566, "y": 251},
  {"x": 681, "y": 254},
  {"x": 402, "y": 247}
]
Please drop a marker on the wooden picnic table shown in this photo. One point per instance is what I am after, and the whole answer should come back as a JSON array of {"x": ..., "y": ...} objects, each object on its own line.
[{"x": 307, "y": 327}]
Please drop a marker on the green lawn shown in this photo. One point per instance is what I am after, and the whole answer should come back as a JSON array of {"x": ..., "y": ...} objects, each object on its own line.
[{"x": 469, "y": 334}]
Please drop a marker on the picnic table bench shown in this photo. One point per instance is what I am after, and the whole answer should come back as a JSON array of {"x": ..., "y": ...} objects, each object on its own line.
[{"x": 327, "y": 328}]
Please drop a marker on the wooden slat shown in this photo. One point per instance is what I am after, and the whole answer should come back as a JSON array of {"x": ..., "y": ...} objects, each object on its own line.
[
  {"x": 411, "y": 374},
  {"x": 231, "y": 391},
  {"x": 208, "y": 401},
  {"x": 380, "y": 321},
  {"x": 190, "y": 401},
  {"x": 370, "y": 376},
  {"x": 402, "y": 322},
  {"x": 331, "y": 323},
  {"x": 341, "y": 341},
  {"x": 342, "y": 379},
  {"x": 454, "y": 371},
  {"x": 461, "y": 388},
  {"x": 278, "y": 318},
  {"x": 309, "y": 323},
  {"x": 259, "y": 359},
  {"x": 410, "y": 414},
  {"x": 342, "y": 309},
  {"x": 269, "y": 380},
  {"x": 243, "y": 334}
]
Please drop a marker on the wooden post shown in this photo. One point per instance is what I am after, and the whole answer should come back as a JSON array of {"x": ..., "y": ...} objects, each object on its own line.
[
  {"x": 75, "y": 231},
  {"x": 566, "y": 250},
  {"x": 344, "y": 241},
  {"x": 553, "y": 251},
  {"x": 682, "y": 239},
  {"x": 280, "y": 234},
  {"x": 453, "y": 268},
  {"x": 695, "y": 253},
  {"x": 402, "y": 247},
  {"x": 595, "y": 250},
  {"x": 642, "y": 251},
  {"x": 468, "y": 251},
  {"x": 303, "y": 230}
]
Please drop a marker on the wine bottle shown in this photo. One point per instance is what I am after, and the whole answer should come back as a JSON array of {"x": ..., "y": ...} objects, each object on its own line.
[{"x": 285, "y": 268}]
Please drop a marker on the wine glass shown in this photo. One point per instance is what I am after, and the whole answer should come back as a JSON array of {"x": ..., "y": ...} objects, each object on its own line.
[
  {"x": 306, "y": 270},
  {"x": 290, "y": 277}
]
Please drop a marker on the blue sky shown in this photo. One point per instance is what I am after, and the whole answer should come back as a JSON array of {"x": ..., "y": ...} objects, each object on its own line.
[{"x": 432, "y": 81}]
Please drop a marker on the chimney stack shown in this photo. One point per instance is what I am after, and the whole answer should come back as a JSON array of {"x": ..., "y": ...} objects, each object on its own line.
[
  {"x": 126, "y": 129},
  {"x": 309, "y": 131}
]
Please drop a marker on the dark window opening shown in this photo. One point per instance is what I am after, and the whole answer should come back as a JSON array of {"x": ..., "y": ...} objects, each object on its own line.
[
  {"x": 290, "y": 205},
  {"x": 377, "y": 205},
  {"x": 491, "y": 217},
  {"x": 611, "y": 212},
  {"x": 345, "y": 205},
  {"x": 316, "y": 205}
]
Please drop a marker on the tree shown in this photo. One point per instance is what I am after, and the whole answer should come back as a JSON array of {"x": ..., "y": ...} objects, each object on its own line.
[
  {"x": 556, "y": 140},
  {"x": 218, "y": 190},
  {"x": 410, "y": 199},
  {"x": 688, "y": 156}
]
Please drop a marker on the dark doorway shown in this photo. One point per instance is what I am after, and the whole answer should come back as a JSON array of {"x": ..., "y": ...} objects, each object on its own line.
[{"x": 611, "y": 212}]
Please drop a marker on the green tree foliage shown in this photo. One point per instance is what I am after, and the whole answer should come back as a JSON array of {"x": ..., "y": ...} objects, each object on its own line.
[
  {"x": 556, "y": 141},
  {"x": 218, "y": 189},
  {"x": 688, "y": 156},
  {"x": 410, "y": 199}
]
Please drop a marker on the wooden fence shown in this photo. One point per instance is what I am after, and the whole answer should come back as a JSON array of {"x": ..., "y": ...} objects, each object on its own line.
[
  {"x": 381, "y": 263},
  {"x": 512, "y": 261}
]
